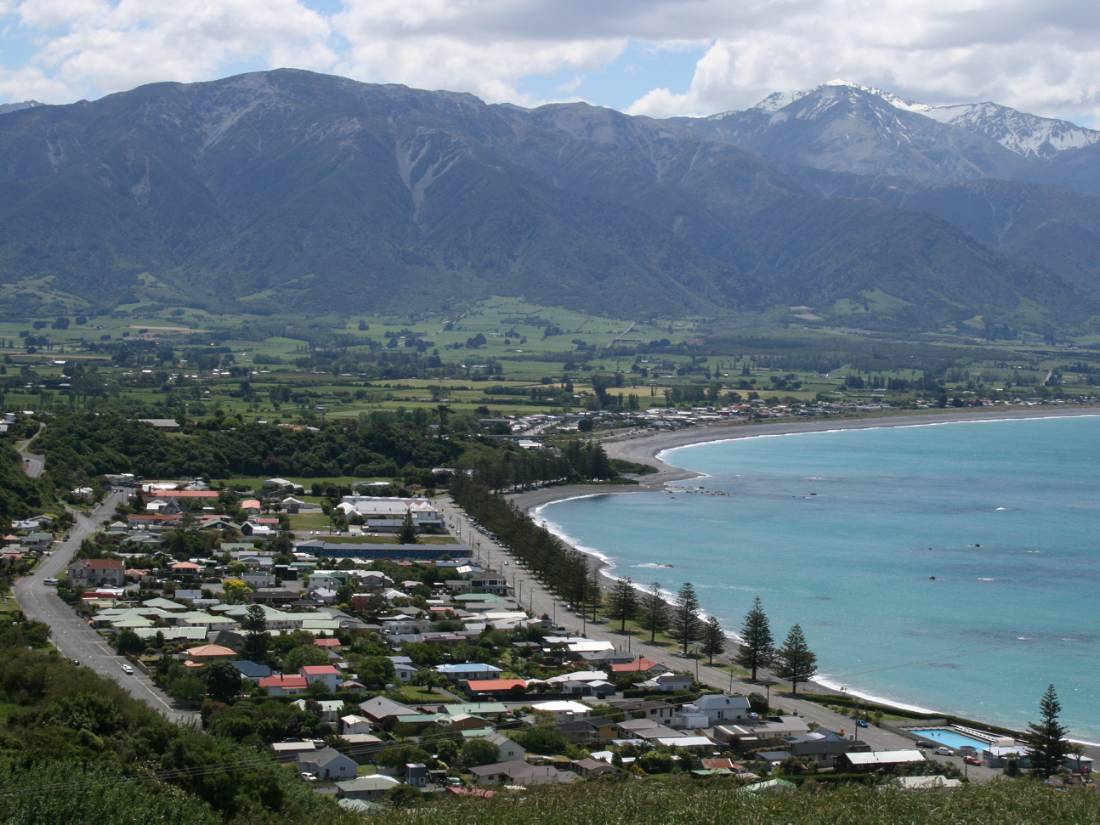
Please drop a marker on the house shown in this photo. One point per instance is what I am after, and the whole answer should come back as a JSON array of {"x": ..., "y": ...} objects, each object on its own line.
[
  {"x": 509, "y": 749},
  {"x": 416, "y": 774},
  {"x": 518, "y": 772},
  {"x": 251, "y": 671},
  {"x": 207, "y": 654},
  {"x": 497, "y": 688},
  {"x": 330, "y": 708},
  {"x": 590, "y": 768},
  {"x": 186, "y": 570},
  {"x": 645, "y": 709},
  {"x": 563, "y": 709},
  {"x": 251, "y": 506},
  {"x": 353, "y": 723},
  {"x": 667, "y": 683},
  {"x": 37, "y": 541},
  {"x": 879, "y": 760},
  {"x": 97, "y": 572},
  {"x": 327, "y": 763},
  {"x": 647, "y": 729},
  {"x": 688, "y": 743},
  {"x": 713, "y": 709},
  {"x": 825, "y": 747},
  {"x": 404, "y": 669},
  {"x": 366, "y": 788},
  {"x": 639, "y": 665},
  {"x": 595, "y": 730},
  {"x": 467, "y": 671},
  {"x": 289, "y": 751},
  {"x": 384, "y": 712},
  {"x": 326, "y": 675},
  {"x": 280, "y": 685}
]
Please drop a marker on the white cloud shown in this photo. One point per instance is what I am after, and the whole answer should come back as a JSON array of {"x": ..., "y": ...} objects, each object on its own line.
[{"x": 1039, "y": 55}]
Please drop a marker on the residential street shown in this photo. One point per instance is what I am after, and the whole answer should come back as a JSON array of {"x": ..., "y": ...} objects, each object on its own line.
[
  {"x": 536, "y": 598},
  {"x": 70, "y": 633}
]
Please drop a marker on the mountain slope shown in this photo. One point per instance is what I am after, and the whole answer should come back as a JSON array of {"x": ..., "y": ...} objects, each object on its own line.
[
  {"x": 288, "y": 188},
  {"x": 1019, "y": 132}
]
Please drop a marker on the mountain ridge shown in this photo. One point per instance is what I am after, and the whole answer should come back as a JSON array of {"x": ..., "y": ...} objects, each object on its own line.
[{"x": 288, "y": 188}]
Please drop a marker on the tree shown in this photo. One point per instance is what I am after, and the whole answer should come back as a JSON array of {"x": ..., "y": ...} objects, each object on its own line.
[
  {"x": 129, "y": 643},
  {"x": 654, "y": 611},
  {"x": 256, "y": 638},
  {"x": 408, "y": 530},
  {"x": 623, "y": 602},
  {"x": 236, "y": 591},
  {"x": 714, "y": 639},
  {"x": 757, "y": 647},
  {"x": 304, "y": 655},
  {"x": 223, "y": 682},
  {"x": 1046, "y": 740},
  {"x": 686, "y": 626},
  {"x": 478, "y": 752},
  {"x": 187, "y": 689},
  {"x": 593, "y": 592},
  {"x": 797, "y": 663}
]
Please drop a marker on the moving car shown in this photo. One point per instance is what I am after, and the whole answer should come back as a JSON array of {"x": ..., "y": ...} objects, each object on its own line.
[
  {"x": 50, "y": 581},
  {"x": 128, "y": 669},
  {"x": 862, "y": 723}
]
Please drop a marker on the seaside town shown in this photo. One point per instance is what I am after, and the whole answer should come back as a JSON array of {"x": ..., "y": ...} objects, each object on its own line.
[{"x": 388, "y": 648}]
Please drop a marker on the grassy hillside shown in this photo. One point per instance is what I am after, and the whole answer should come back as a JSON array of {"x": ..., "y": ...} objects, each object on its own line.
[{"x": 671, "y": 803}]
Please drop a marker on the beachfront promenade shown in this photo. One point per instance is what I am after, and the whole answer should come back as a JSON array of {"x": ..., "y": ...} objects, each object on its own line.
[{"x": 539, "y": 601}]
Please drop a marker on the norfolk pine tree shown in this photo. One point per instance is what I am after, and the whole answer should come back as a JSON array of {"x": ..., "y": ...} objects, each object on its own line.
[
  {"x": 714, "y": 639},
  {"x": 654, "y": 611},
  {"x": 623, "y": 602},
  {"x": 758, "y": 647},
  {"x": 1046, "y": 740},
  {"x": 797, "y": 663},
  {"x": 686, "y": 626}
]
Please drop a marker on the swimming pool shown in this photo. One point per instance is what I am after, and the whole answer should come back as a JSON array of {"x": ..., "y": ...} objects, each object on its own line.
[{"x": 951, "y": 738}]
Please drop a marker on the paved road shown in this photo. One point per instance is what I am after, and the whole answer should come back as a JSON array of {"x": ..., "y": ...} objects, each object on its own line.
[
  {"x": 70, "y": 633},
  {"x": 536, "y": 598},
  {"x": 33, "y": 464}
]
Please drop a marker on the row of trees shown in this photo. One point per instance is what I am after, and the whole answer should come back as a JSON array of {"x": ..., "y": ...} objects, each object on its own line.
[{"x": 793, "y": 660}]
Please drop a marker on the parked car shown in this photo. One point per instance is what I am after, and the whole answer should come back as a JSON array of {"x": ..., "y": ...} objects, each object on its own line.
[
  {"x": 970, "y": 759},
  {"x": 925, "y": 744},
  {"x": 862, "y": 723},
  {"x": 944, "y": 751}
]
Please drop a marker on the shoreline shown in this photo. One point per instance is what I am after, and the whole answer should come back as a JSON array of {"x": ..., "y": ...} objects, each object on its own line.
[{"x": 649, "y": 448}]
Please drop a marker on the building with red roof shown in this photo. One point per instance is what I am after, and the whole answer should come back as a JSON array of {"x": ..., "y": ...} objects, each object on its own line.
[
  {"x": 496, "y": 687},
  {"x": 639, "y": 665},
  {"x": 284, "y": 684},
  {"x": 327, "y": 675}
]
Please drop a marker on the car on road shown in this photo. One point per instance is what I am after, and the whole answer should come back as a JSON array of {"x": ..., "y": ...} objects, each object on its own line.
[
  {"x": 128, "y": 669},
  {"x": 971, "y": 759},
  {"x": 862, "y": 723},
  {"x": 51, "y": 581},
  {"x": 943, "y": 751}
]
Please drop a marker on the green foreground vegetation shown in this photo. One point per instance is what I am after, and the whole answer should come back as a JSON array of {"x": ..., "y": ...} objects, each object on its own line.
[{"x": 707, "y": 801}]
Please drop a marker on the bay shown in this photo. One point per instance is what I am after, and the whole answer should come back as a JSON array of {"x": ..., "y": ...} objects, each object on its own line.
[{"x": 954, "y": 567}]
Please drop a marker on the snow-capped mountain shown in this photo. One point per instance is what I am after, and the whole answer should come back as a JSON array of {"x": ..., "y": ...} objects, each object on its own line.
[
  {"x": 1027, "y": 135},
  {"x": 1020, "y": 132}
]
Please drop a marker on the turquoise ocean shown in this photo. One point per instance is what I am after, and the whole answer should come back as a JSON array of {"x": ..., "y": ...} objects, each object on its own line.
[{"x": 843, "y": 532}]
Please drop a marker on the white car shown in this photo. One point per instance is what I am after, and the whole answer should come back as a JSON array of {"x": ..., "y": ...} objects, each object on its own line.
[
  {"x": 50, "y": 581},
  {"x": 128, "y": 669},
  {"x": 942, "y": 751}
]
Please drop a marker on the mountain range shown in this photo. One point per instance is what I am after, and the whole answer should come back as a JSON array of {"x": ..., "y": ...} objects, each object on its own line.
[{"x": 288, "y": 188}]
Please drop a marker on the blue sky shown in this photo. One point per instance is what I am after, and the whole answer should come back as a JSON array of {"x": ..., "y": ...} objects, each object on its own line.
[{"x": 654, "y": 57}]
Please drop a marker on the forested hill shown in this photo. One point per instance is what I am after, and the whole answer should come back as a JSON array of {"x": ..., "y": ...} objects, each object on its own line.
[
  {"x": 291, "y": 189},
  {"x": 20, "y": 496}
]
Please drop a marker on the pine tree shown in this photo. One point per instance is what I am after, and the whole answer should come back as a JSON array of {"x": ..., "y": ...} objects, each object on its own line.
[
  {"x": 758, "y": 647},
  {"x": 623, "y": 602},
  {"x": 797, "y": 663},
  {"x": 686, "y": 626},
  {"x": 1046, "y": 740},
  {"x": 594, "y": 593},
  {"x": 714, "y": 639},
  {"x": 654, "y": 611},
  {"x": 408, "y": 530}
]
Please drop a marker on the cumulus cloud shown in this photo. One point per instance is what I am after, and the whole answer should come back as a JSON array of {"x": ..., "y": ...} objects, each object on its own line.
[{"x": 1039, "y": 55}]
